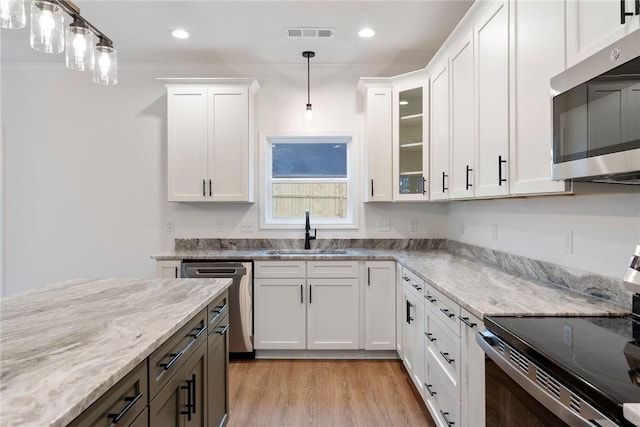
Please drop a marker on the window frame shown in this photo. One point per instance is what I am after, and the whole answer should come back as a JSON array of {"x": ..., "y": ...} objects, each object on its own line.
[{"x": 266, "y": 181}]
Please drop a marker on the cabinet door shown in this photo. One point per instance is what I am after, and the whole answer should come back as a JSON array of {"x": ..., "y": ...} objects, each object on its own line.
[
  {"x": 594, "y": 24},
  {"x": 195, "y": 377},
  {"x": 534, "y": 61},
  {"x": 439, "y": 170},
  {"x": 168, "y": 269},
  {"x": 142, "y": 420},
  {"x": 333, "y": 315},
  {"x": 408, "y": 331},
  {"x": 472, "y": 381},
  {"x": 166, "y": 407},
  {"x": 413, "y": 336},
  {"x": 187, "y": 143},
  {"x": 492, "y": 102},
  {"x": 380, "y": 306},
  {"x": 280, "y": 314},
  {"x": 218, "y": 376},
  {"x": 462, "y": 140},
  {"x": 378, "y": 145},
  {"x": 228, "y": 166},
  {"x": 410, "y": 142},
  {"x": 400, "y": 312}
]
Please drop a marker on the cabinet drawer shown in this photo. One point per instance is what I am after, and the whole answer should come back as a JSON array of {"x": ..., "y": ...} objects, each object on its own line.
[
  {"x": 279, "y": 269},
  {"x": 126, "y": 399},
  {"x": 168, "y": 358},
  {"x": 444, "y": 346},
  {"x": 412, "y": 279},
  {"x": 442, "y": 403},
  {"x": 217, "y": 310},
  {"x": 332, "y": 269},
  {"x": 444, "y": 308}
]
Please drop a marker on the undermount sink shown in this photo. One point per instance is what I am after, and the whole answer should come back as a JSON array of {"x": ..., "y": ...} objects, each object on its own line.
[{"x": 306, "y": 251}]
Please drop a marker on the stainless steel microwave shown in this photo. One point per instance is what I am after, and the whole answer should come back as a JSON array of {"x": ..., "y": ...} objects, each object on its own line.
[{"x": 596, "y": 116}]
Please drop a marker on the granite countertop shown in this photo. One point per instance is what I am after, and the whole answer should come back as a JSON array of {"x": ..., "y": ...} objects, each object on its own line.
[
  {"x": 64, "y": 345},
  {"x": 481, "y": 289}
]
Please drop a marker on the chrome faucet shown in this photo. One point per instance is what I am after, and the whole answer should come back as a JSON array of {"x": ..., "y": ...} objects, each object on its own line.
[{"x": 307, "y": 228}]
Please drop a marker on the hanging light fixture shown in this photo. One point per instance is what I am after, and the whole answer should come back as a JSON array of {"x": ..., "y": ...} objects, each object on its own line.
[
  {"x": 12, "y": 14},
  {"x": 47, "y": 34},
  {"x": 308, "y": 114}
]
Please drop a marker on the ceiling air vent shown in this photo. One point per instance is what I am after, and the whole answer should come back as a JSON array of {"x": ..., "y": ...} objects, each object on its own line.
[{"x": 316, "y": 33}]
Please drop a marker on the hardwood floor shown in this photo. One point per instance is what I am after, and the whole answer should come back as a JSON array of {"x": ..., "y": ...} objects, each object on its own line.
[{"x": 323, "y": 393}]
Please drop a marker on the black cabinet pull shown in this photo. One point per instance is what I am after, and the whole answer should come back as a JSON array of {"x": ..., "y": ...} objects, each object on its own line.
[
  {"x": 204, "y": 188},
  {"x": 132, "y": 401},
  {"x": 624, "y": 13},
  {"x": 424, "y": 186},
  {"x": 446, "y": 357},
  {"x": 176, "y": 272},
  {"x": 368, "y": 276},
  {"x": 409, "y": 318},
  {"x": 466, "y": 321},
  {"x": 218, "y": 312},
  {"x": 210, "y": 189},
  {"x": 637, "y": 7},
  {"x": 500, "y": 162},
  {"x": 468, "y": 185},
  {"x": 416, "y": 287},
  {"x": 301, "y": 295},
  {"x": 430, "y": 336},
  {"x": 310, "y": 293},
  {"x": 200, "y": 331},
  {"x": 174, "y": 359},
  {"x": 372, "y": 188},
  {"x": 189, "y": 398},
  {"x": 430, "y": 298},
  {"x": 444, "y": 175},
  {"x": 431, "y": 392},
  {"x": 445, "y": 415},
  {"x": 223, "y": 329},
  {"x": 447, "y": 313}
]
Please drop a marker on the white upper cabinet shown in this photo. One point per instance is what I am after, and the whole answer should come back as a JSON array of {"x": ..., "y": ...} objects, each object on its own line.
[
  {"x": 410, "y": 139},
  {"x": 210, "y": 129},
  {"x": 492, "y": 101},
  {"x": 440, "y": 127},
  {"x": 378, "y": 138},
  {"x": 535, "y": 59},
  {"x": 594, "y": 24},
  {"x": 461, "y": 181}
]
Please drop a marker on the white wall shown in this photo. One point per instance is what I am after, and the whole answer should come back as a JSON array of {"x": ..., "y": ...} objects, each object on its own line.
[
  {"x": 604, "y": 220},
  {"x": 85, "y": 172}
]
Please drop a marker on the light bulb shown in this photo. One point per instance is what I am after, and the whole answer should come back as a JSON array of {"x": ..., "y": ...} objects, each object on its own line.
[
  {"x": 308, "y": 114},
  {"x": 47, "y": 27},
  {"x": 105, "y": 71},
  {"x": 46, "y": 21},
  {"x": 79, "y": 44},
  {"x": 104, "y": 62}
]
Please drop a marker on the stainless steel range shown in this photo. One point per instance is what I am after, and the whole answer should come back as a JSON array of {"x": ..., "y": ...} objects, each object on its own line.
[{"x": 582, "y": 369}]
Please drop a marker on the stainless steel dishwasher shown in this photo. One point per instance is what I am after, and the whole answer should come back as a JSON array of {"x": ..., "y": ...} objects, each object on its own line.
[{"x": 240, "y": 299}]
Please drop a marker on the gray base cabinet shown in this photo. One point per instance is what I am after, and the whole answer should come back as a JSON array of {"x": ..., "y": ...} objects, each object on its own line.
[{"x": 218, "y": 372}]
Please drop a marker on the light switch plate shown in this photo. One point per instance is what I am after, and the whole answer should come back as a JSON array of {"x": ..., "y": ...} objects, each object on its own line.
[
  {"x": 413, "y": 225},
  {"x": 246, "y": 226}
]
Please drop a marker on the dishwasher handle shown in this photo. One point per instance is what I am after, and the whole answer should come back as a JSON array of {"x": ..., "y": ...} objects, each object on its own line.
[{"x": 212, "y": 270}]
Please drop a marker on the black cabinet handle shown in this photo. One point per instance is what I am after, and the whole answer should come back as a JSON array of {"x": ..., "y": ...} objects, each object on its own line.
[
  {"x": 218, "y": 312},
  {"x": 132, "y": 401},
  {"x": 174, "y": 359},
  {"x": 176, "y": 272},
  {"x": 624, "y": 13},
  {"x": 430, "y": 298},
  {"x": 372, "y": 188},
  {"x": 310, "y": 293},
  {"x": 466, "y": 321},
  {"x": 405, "y": 278},
  {"x": 500, "y": 162},
  {"x": 468, "y": 185},
  {"x": 637, "y": 7},
  {"x": 210, "y": 189},
  {"x": 430, "y": 336},
  {"x": 424, "y": 186},
  {"x": 444, "y": 175},
  {"x": 200, "y": 331},
  {"x": 223, "y": 329},
  {"x": 445, "y": 415},
  {"x": 189, "y": 405},
  {"x": 368, "y": 276},
  {"x": 431, "y": 392},
  {"x": 416, "y": 287},
  {"x": 204, "y": 188},
  {"x": 447, "y": 313},
  {"x": 301, "y": 295},
  {"x": 446, "y": 357},
  {"x": 409, "y": 318}
]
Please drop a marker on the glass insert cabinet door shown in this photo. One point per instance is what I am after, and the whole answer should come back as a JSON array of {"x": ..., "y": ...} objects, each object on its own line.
[{"x": 411, "y": 145}]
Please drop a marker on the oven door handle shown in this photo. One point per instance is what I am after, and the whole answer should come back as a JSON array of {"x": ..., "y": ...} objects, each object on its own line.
[{"x": 487, "y": 340}]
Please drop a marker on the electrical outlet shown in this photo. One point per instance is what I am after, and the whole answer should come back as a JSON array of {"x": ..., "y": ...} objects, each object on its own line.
[
  {"x": 568, "y": 241},
  {"x": 413, "y": 225},
  {"x": 246, "y": 226},
  {"x": 170, "y": 226},
  {"x": 495, "y": 231},
  {"x": 384, "y": 224},
  {"x": 220, "y": 226}
]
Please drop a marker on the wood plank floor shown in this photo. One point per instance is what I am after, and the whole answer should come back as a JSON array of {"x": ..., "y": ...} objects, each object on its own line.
[{"x": 323, "y": 393}]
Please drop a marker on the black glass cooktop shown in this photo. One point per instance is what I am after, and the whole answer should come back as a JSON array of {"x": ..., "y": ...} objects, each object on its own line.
[{"x": 596, "y": 357}]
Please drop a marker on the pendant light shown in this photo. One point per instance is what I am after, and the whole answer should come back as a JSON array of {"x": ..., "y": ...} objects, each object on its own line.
[
  {"x": 12, "y": 14},
  {"x": 105, "y": 71},
  {"x": 47, "y": 34},
  {"x": 308, "y": 114},
  {"x": 79, "y": 46}
]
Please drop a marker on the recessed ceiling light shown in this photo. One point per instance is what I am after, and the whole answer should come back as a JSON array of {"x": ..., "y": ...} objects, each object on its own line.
[
  {"x": 180, "y": 34},
  {"x": 366, "y": 33},
  {"x": 403, "y": 102}
]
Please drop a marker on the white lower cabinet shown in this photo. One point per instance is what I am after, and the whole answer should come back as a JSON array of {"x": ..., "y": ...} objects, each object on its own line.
[
  {"x": 412, "y": 333},
  {"x": 379, "y": 305},
  {"x": 306, "y": 305},
  {"x": 169, "y": 269},
  {"x": 472, "y": 388}
]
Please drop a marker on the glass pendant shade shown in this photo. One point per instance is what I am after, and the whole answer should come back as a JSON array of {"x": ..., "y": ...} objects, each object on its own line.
[
  {"x": 79, "y": 48},
  {"x": 105, "y": 70},
  {"x": 308, "y": 114},
  {"x": 47, "y": 27},
  {"x": 12, "y": 14}
]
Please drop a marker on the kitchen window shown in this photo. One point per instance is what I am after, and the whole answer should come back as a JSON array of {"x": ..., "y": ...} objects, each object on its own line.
[{"x": 308, "y": 172}]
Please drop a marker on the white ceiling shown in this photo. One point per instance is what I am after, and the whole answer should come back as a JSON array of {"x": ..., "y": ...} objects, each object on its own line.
[{"x": 253, "y": 32}]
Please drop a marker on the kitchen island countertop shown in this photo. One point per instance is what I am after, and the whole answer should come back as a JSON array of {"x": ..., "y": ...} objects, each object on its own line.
[{"x": 64, "y": 345}]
